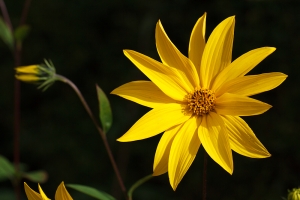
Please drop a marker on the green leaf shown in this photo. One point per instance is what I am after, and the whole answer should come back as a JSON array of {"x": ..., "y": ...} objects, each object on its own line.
[
  {"x": 6, "y": 35},
  {"x": 104, "y": 109},
  {"x": 21, "y": 32},
  {"x": 36, "y": 176},
  {"x": 91, "y": 192},
  {"x": 7, "y": 169}
]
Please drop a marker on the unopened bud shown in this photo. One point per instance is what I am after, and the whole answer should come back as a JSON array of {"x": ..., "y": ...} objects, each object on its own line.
[
  {"x": 294, "y": 194},
  {"x": 43, "y": 74}
]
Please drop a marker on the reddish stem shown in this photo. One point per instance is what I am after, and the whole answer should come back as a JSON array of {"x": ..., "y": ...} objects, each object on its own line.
[{"x": 102, "y": 134}]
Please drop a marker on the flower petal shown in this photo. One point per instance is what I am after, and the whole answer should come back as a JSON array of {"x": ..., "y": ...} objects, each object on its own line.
[
  {"x": 183, "y": 151},
  {"x": 155, "y": 121},
  {"x": 31, "y": 69},
  {"x": 31, "y": 194},
  {"x": 27, "y": 77},
  {"x": 197, "y": 42},
  {"x": 242, "y": 139},
  {"x": 217, "y": 52},
  {"x": 253, "y": 84},
  {"x": 161, "y": 159},
  {"x": 242, "y": 65},
  {"x": 161, "y": 75},
  {"x": 145, "y": 93},
  {"x": 213, "y": 136},
  {"x": 62, "y": 193},
  {"x": 172, "y": 57},
  {"x": 43, "y": 195},
  {"x": 237, "y": 105}
]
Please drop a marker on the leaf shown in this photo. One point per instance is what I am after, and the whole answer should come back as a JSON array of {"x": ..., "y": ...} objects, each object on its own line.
[
  {"x": 21, "y": 32},
  {"x": 36, "y": 176},
  {"x": 91, "y": 192},
  {"x": 7, "y": 169},
  {"x": 104, "y": 109},
  {"x": 6, "y": 35}
]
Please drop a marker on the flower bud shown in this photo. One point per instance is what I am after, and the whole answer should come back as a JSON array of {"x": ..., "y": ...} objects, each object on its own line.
[
  {"x": 294, "y": 194},
  {"x": 44, "y": 74}
]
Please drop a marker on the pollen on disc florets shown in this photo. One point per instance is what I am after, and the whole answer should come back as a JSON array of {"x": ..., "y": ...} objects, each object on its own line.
[{"x": 200, "y": 101}]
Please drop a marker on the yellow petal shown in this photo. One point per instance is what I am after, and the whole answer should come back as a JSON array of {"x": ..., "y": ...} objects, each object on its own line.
[
  {"x": 183, "y": 151},
  {"x": 197, "y": 42},
  {"x": 242, "y": 139},
  {"x": 242, "y": 65},
  {"x": 31, "y": 195},
  {"x": 253, "y": 84},
  {"x": 213, "y": 136},
  {"x": 27, "y": 77},
  {"x": 155, "y": 121},
  {"x": 43, "y": 195},
  {"x": 62, "y": 193},
  {"x": 237, "y": 105},
  {"x": 31, "y": 69},
  {"x": 217, "y": 52},
  {"x": 145, "y": 93},
  {"x": 161, "y": 75},
  {"x": 172, "y": 57},
  {"x": 161, "y": 159}
]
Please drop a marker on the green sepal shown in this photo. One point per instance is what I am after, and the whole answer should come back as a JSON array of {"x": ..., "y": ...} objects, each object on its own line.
[
  {"x": 6, "y": 35},
  {"x": 105, "y": 113},
  {"x": 97, "y": 194}
]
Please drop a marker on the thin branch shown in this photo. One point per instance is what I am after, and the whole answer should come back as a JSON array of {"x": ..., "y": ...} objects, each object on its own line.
[
  {"x": 137, "y": 184},
  {"x": 25, "y": 12},
  {"x": 103, "y": 136}
]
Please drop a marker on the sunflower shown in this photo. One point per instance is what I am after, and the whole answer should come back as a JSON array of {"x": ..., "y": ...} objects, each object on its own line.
[
  {"x": 61, "y": 193},
  {"x": 199, "y": 99}
]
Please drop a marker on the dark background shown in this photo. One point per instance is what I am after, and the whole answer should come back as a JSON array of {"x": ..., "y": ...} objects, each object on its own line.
[{"x": 85, "y": 39}]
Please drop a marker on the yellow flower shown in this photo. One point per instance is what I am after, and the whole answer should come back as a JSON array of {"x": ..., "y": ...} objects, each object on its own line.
[
  {"x": 198, "y": 100},
  {"x": 28, "y": 73},
  {"x": 61, "y": 193},
  {"x": 43, "y": 74}
]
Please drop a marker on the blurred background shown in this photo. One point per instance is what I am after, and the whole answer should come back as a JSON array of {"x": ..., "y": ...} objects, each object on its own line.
[{"x": 85, "y": 40}]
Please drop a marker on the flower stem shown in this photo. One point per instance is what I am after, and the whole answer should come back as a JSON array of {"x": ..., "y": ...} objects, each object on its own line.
[
  {"x": 137, "y": 184},
  {"x": 17, "y": 96},
  {"x": 103, "y": 136},
  {"x": 16, "y": 123},
  {"x": 25, "y": 12},
  {"x": 204, "y": 175}
]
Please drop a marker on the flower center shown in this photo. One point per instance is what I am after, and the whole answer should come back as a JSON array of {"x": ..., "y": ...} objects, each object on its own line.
[{"x": 201, "y": 101}]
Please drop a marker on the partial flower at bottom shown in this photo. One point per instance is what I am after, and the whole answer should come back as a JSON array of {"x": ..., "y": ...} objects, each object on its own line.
[
  {"x": 61, "y": 193},
  {"x": 198, "y": 100}
]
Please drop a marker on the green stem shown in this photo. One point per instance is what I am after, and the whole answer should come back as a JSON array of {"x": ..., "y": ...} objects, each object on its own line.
[
  {"x": 137, "y": 184},
  {"x": 103, "y": 136}
]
